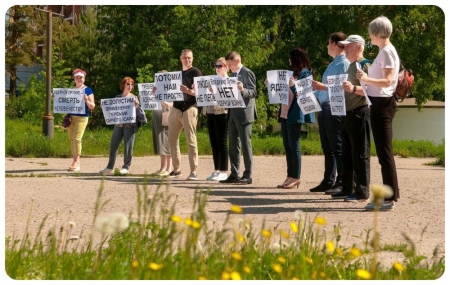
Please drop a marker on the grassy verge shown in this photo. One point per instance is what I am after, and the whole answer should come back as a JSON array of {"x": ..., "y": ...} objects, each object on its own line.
[
  {"x": 25, "y": 140},
  {"x": 155, "y": 243}
]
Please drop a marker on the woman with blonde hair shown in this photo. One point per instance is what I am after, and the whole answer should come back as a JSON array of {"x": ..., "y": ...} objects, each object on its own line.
[{"x": 218, "y": 130}]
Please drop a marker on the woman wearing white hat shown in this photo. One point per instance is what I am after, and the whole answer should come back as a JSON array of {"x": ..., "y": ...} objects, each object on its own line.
[{"x": 79, "y": 121}]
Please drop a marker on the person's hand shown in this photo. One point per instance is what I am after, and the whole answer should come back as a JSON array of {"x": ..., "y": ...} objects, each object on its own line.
[
  {"x": 86, "y": 98},
  {"x": 316, "y": 85},
  {"x": 210, "y": 89},
  {"x": 167, "y": 105},
  {"x": 163, "y": 71},
  {"x": 361, "y": 75},
  {"x": 291, "y": 81},
  {"x": 240, "y": 86},
  {"x": 348, "y": 86},
  {"x": 136, "y": 102},
  {"x": 154, "y": 90},
  {"x": 185, "y": 89}
]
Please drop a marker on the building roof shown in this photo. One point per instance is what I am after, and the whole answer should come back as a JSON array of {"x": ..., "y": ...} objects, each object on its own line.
[{"x": 411, "y": 103}]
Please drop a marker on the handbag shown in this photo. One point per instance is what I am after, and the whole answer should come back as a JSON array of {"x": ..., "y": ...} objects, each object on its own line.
[
  {"x": 67, "y": 121},
  {"x": 165, "y": 118}
]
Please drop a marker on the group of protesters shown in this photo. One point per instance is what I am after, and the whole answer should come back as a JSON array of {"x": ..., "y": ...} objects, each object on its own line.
[{"x": 345, "y": 139}]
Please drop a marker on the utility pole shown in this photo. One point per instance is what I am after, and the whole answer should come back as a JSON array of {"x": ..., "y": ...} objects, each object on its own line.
[{"x": 48, "y": 119}]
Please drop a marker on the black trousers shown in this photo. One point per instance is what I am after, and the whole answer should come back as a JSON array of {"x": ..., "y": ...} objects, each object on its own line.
[
  {"x": 218, "y": 135},
  {"x": 355, "y": 135},
  {"x": 381, "y": 115}
]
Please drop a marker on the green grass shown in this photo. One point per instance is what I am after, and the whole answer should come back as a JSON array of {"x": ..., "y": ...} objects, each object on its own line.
[
  {"x": 160, "y": 245},
  {"x": 25, "y": 140}
]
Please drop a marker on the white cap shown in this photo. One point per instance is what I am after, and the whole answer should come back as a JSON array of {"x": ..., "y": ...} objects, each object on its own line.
[
  {"x": 79, "y": 74},
  {"x": 353, "y": 39}
]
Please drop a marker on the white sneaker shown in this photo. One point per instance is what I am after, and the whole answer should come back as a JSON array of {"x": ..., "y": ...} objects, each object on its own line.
[
  {"x": 123, "y": 171},
  {"x": 220, "y": 176},
  {"x": 192, "y": 176},
  {"x": 211, "y": 177},
  {"x": 385, "y": 206},
  {"x": 105, "y": 171}
]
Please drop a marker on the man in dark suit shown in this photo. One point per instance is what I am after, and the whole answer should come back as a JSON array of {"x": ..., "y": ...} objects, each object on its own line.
[{"x": 240, "y": 121}]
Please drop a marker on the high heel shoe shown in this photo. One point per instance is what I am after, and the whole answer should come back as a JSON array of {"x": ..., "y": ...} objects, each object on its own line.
[
  {"x": 293, "y": 183},
  {"x": 284, "y": 183}
]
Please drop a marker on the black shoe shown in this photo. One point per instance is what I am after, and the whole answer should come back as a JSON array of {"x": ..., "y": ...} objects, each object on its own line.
[
  {"x": 340, "y": 195},
  {"x": 335, "y": 189},
  {"x": 243, "y": 180},
  {"x": 320, "y": 188},
  {"x": 174, "y": 174},
  {"x": 230, "y": 179}
]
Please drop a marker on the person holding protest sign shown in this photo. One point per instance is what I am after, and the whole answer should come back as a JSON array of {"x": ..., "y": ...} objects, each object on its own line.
[
  {"x": 184, "y": 115},
  {"x": 125, "y": 132},
  {"x": 330, "y": 125},
  {"x": 240, "y": 121},
  {"x": 160, "y": 135},
  {"x": 291, "y": 118},
  {"x": 218, "y": 130},
  {"x": 355, "y": 130},
  {"x": 79, "y": 121},
  {"x": 381, "y": 81}
]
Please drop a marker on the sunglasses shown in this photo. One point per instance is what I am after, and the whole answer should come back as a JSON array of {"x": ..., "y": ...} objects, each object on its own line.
[{"x": 219, "y": 66}]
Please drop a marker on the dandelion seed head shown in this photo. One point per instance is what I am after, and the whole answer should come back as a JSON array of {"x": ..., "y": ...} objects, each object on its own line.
[
  {"x": 298, "y": 214},
  {"x": 275, "y": 247},
  {"x": 103, "y": 225},
  {"x": 119, "y": 221}
]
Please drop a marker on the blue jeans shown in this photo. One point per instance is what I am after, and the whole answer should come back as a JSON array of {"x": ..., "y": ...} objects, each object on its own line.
[
  {"x": 119, "y": 133},
  {"x": 291, "y": 142},
  {"x": 330, "y": 139}
]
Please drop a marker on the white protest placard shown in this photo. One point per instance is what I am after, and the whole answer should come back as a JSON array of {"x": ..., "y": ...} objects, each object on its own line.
[
  {"x": 278, "y": 86},
  {"x": 203, "y": 95},
  {"x": 147, "y": 98},
  {"x": 68, "y": 100},
  {"x": 336, "y": 93},
  {"x": 305, "y": 96},
  {"x": 363, "y": 85},
  {"x": 168, "y": 86},
  {"x": 119, "y": 110},
  {"x": 226, "y": 92}
]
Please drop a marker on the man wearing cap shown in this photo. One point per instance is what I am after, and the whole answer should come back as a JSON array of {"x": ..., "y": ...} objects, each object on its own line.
[
  {"x": 355, "y": 131},
  {"x": 330, "y": 125}
]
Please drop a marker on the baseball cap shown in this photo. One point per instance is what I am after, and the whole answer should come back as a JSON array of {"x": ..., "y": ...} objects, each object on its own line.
[
  {"x": 79, "y": 72},
  {"x": 353, "y": 39}
]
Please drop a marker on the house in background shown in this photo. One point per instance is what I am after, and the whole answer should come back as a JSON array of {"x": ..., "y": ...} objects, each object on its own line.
[
  {"x": 426, "y": 124},
  {"x": 70, "y": 13}
]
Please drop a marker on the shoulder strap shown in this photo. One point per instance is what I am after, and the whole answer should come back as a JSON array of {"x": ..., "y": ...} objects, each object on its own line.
[{"x": 364, "y": 62}]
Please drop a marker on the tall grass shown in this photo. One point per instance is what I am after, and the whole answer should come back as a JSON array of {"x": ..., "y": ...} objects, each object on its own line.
[
  {"x": 25, "y": 140},
  {"x": 155, "y": 243}
]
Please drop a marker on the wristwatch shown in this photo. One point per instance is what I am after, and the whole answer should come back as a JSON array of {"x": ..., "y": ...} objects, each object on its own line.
[{"x": 354, "y": 88}]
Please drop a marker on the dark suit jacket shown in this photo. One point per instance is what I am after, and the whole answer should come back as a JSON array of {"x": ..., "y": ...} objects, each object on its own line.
[{"x": 248, "y": 114}]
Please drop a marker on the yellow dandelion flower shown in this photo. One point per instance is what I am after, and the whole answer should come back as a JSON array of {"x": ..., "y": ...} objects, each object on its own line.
[
  {"x": 294, "y": 227},
  {"x": 247, "y": 270},
  {"x": 202, "y": 278},
  {"x": 188, "y": 222},
  {"x": 236, "y": 209},
  {"x": 398, "y": 266},
  {"x": 135, "y": 263},
  {"x": 330, "y": 246},
  {"x": 339, "y": 250},
  {"x": 284, "y": 234},
  {"x": 354, "y": 251},
  {"x": 363, "y": 274},
  {"x": 236, "y": 255},
  {"x": 308, "y": 259},
  {"x": 240, "y": 237},
  {"x": 225, "y": 275},
  {"x": 295, "y": 278},
  {"x": 196, "y": 225},
  {"x": 175, "y": 219},
  {"x": 320, "y": 221},
  {"x": 155, "y": 266},
  {"x": 281, "y": 259},
  {"x": 235, "y": 276},
  {"x": 277, "y": 268},
  {"x": 266, "y": 233}
]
